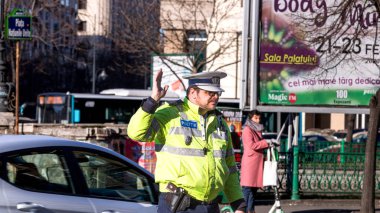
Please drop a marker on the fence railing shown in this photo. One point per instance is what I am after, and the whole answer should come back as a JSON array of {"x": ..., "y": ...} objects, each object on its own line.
[{"x": 324, "y": 169}]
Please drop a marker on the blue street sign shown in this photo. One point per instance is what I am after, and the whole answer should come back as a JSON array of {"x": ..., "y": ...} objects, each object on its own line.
[{"x": 18, "y": 26}]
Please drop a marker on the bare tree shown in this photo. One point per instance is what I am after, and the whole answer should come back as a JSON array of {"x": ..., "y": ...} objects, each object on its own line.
[
  {"x": 48, "y": 60},
  {"x": 338, "y": 30},
  {"x": 197, "y": 28}
]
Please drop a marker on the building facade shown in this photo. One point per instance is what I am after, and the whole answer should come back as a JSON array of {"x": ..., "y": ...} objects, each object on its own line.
[{"x": 209, "y": 31}]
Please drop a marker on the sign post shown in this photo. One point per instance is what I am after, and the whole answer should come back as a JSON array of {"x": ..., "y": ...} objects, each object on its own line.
[{"x": 18, "y": 27}]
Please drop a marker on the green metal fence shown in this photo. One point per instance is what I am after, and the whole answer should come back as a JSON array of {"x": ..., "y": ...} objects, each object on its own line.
[{"x": 323, "y": 169}]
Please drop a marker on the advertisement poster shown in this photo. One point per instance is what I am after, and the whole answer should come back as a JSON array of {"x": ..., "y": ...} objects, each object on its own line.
[
  {"x": 312, "y": 55},
  {"x": 169, "y": 64},
  {"x": 143, "y": 153},
  {"x": 234, "y": 118}
]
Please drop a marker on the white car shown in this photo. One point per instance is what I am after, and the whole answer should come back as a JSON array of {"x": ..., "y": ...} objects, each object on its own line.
[{"x": 54, "y": 175}]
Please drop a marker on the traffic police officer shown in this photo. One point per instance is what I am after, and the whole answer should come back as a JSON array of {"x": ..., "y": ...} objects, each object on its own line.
[{"x": 195, "y": 159}]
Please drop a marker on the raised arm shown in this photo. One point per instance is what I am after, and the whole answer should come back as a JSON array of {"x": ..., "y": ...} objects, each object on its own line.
[{"x": 143, "y": 125}]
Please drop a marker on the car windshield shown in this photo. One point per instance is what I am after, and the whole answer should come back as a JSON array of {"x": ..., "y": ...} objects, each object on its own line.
[
  {"x": 362, "y": 137},
  {"x": 340, "y": 135}
]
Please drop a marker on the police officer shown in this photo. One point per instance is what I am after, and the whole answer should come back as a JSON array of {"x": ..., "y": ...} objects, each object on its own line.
[{"x": 195, "y": 159}]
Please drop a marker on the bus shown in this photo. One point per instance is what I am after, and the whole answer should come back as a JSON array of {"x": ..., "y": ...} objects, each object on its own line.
[
  {"x": 107, "y": 107},
  {"x": 110, "y": 106}
]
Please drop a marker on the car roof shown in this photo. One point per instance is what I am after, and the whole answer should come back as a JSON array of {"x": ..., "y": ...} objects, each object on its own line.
[
  {"x": 307, "y": 137},
  {"x": 17, "y": 142},
  {"x": 326, "y": 137}
]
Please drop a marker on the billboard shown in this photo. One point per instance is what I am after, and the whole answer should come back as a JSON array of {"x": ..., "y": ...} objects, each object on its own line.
[{"x": 303, "y": 63}]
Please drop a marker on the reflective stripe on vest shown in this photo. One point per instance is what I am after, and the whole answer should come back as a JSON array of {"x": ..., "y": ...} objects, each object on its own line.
[
  {"x": 188, "y": 151},
  {"x": 179, "y": 150},
  {"x": 187, "y": 134},
  {"x": 219, "y": 135},
  {"x": 186, "y": 131},
  {"x": 154, "y": 127},
  {"x": 219, "y": 153},
  {"x": 181, "y": 113}
]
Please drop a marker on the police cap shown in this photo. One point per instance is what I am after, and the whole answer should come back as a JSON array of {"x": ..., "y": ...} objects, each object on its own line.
[{"x": 209, "y": 81}]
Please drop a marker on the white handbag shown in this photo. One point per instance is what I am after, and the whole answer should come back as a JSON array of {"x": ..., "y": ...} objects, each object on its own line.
[{"x": 270, "y": 169}]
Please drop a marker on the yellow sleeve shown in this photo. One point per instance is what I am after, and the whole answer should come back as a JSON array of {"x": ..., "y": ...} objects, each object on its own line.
[
  {"x": 143, "y": 126},
  {"x": 147, "y": 127}
]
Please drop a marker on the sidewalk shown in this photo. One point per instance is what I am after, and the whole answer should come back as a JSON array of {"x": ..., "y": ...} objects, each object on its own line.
[{"x": 315, "y": 205}]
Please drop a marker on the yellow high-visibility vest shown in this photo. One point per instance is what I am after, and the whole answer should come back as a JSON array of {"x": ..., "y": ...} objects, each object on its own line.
[{"x": 193, "y": 152}]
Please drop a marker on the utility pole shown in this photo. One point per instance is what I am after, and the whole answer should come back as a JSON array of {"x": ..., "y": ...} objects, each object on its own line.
[
  {"x": 94, "y": 58},
  {"x": 368, "y": 192}
]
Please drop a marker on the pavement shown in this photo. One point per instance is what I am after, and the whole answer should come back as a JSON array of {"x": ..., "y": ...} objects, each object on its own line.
[
  {"x": 312, "y": 206},
  {"x": 315, "y": 206}
]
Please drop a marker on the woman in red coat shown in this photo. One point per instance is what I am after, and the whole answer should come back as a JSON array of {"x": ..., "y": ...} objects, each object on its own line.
[{"x": 252, "y": 164}]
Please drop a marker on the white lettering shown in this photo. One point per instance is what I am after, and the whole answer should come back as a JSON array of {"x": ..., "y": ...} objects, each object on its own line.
[
  {"x": 20, "y": 23},
  {"x": 280, "y": 97}
]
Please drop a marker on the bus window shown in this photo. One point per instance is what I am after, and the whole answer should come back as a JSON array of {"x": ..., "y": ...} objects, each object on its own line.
[
  {"x": 28, "y": 109},
  {"x": 51, "y": 108},
  {"x": 76, "y": 116},
  {"x": 118, "y": 115}
]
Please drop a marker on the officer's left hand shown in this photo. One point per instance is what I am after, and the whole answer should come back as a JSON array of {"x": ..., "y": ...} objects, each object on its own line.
[{"x": 239, "y": 211}]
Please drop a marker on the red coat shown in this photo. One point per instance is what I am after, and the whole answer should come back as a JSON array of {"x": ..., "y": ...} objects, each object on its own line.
[{"x": 252, "y": 165}]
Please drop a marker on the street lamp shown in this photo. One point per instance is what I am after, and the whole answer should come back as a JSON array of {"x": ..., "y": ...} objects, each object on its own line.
[
  {"x": 93, "y": 68},
  {"x": 100, "y": 77},
  {"x": 94, "y": 40},
  {"x": 103, "y": 75}
]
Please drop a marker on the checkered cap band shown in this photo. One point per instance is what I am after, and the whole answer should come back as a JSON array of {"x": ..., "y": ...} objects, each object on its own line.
[{"x": 205, "y": 81}]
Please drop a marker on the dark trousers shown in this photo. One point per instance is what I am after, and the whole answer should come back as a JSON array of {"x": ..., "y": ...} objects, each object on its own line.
[
  {"x": 211, "y": 208},
  {"x": 249, "y": 196}
]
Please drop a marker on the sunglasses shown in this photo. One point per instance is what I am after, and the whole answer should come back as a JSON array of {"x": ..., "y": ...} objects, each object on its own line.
[
  {"x": 209, "y": 93},
  {"x": 212, "y": 94}
]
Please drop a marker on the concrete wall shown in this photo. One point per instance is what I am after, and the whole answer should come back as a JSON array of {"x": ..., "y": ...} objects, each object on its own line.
[{"x": 108, "y": 135}]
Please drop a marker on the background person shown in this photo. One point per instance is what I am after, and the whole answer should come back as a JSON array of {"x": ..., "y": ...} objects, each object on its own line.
[
  {"x": 252, "y": 165},
  {"x": 235, "y": 137},
  {"x": 194, "y": 151}
]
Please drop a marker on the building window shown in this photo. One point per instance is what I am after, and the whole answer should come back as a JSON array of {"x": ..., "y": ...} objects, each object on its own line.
[
  {"x": 82, "y": 26},
  {"x": 55, "y": 27},
  {"x": 82, "y": 4},
  {"x": 196, "y": 43}
]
